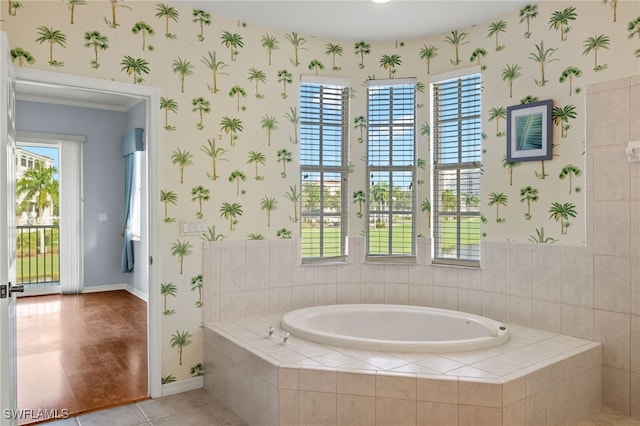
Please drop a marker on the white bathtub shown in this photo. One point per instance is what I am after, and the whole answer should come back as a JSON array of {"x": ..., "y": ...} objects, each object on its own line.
[{"x": 396, "y": 328}]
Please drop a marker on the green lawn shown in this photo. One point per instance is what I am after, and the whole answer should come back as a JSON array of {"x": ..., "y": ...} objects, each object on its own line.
[
  {"x": 401, "y": 243},
  {"x": 470, "y": 230},
  {"x": 32, "y": 269},
  {"x": 310, "y": 236},
  {"x": 379, "y": 237}
]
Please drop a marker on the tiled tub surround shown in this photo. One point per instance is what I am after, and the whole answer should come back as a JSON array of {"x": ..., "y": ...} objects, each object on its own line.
[
  {"x": 537, "y": 378},
  {"x": 591, "y": 292}
]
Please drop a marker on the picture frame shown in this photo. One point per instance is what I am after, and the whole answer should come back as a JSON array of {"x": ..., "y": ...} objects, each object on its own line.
[{"x": 530, "y": 131}]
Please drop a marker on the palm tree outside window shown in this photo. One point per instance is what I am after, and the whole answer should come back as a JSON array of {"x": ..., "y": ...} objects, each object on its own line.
[{"x": 37, "y": 186}]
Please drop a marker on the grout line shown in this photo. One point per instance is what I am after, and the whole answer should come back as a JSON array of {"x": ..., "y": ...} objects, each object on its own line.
[{"x": 148, "y": 420}]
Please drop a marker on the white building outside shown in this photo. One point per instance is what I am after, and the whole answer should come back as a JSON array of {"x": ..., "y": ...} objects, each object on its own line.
[{"x": 26, "y": 160}]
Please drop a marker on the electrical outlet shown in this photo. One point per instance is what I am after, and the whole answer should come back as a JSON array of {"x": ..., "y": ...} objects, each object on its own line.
[{"x": 633, "y": 151}]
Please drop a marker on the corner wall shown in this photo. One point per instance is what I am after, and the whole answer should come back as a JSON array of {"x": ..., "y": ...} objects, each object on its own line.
[{"x": 613, "y": 109}]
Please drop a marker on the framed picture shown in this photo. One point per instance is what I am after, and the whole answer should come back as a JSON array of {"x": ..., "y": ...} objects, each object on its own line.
[{"x": 529, "y": 131}]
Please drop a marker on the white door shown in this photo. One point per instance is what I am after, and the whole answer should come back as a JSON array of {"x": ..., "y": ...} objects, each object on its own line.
[{"x": 8, "y": 402}]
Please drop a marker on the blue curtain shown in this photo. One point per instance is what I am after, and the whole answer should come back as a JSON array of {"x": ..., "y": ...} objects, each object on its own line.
[{"x": 132, "y": 141}]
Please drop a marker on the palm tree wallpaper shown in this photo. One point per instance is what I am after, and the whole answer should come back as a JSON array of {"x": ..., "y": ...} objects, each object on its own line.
[{"x": 229, "y": 114}]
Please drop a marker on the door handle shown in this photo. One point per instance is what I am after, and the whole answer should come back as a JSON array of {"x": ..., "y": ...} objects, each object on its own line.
[{"x": 15, "y": 289}]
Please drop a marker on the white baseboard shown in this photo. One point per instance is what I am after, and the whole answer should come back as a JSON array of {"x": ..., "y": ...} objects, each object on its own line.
[
  {"x": 40, "y": 291},
  {"x": 114, "y": 287},
  {"x": 183, "y": 386},
  {"x": 104, "y": 287},
  {"x": 137, "y": 293}
]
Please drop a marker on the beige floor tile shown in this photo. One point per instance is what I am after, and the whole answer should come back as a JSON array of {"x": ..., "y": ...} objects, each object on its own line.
[{"x": 203, "y": 410}]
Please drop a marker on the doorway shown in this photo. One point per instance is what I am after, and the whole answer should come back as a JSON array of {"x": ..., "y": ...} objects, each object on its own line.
[
  {"x": 49, "y": 184},
  {"x": 38, "y": 216},
  {"x": 70, "y": 90}
]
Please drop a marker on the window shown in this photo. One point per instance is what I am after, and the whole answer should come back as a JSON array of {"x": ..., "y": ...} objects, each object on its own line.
[
  {"x": 136, "y": 207},
  {"x": 457, "y": 151},
  {"x": 323, "y": 168},
  {"x": 391, "y": 124}
]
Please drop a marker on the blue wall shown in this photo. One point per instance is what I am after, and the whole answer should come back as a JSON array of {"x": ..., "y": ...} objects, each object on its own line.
[{"x": 103, "y": 177}]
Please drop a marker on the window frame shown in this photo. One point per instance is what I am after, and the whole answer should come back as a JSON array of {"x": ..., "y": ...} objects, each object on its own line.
[
  {"x": 137, "y": 204},
  {"x": 459, "y": 168},
  {"x": 323, "y": 169},
  {"x": 391, "y": 257}
]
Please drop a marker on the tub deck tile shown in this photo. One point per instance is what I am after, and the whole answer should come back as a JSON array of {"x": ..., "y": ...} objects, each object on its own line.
[
  {"x": 512, "y": 381},
  {"x": 526, "y": 347}
]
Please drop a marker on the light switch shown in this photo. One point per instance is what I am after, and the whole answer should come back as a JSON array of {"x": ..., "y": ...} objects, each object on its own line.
[
  {"x": 193, "y": 228},
  {"x": 102, "y": 217}
]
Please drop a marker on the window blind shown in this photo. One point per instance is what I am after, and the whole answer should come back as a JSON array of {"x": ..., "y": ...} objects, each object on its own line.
[
  {"x": 323, "y": 164},
  {"x": 457, "y": 151},
  {"x": 391, "y": 125}
]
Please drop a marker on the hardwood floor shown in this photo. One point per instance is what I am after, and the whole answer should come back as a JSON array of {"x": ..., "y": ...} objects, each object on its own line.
[{"x": 81, "y": 352}]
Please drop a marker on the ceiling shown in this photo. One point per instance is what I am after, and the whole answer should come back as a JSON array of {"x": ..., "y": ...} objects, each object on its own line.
[
  {"x": 356, "y": 20},
  {"x": 338, "y": 20}
]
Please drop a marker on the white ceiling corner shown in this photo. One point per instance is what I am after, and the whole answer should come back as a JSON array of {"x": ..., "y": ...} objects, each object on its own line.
[{"x": 355, "y": 20}]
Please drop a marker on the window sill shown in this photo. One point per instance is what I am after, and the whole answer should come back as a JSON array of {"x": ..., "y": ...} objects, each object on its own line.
[
  {"x": 321, "y": 262},
  {"x": 455, "y": 263},
  {"x": 403, "y": 260}
]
